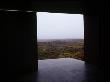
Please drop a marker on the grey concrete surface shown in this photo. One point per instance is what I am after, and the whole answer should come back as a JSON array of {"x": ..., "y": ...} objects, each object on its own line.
[
  {"x": 66, "y": 70},
  {"x": 62, "y": 70}
]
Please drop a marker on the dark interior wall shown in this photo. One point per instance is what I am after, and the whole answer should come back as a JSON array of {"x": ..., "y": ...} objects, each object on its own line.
[
  {"x": 19, "y": 30},
  {"x": 92, "y": 32},
  {"x": 91, "y": 24}
]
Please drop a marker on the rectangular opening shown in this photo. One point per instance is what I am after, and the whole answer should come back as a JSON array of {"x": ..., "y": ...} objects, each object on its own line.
[{"x": 60, "y": 35}]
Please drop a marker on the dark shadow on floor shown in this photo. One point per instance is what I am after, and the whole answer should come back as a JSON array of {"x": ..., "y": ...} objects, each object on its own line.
[{"x": 62, "y": 70}]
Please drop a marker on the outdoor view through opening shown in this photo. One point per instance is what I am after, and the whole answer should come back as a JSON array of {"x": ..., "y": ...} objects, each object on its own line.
[{"x": 60, "y": 35}]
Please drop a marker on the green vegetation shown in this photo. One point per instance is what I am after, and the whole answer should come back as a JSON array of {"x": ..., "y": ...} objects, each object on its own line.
[{"x": 52, "y": 49}]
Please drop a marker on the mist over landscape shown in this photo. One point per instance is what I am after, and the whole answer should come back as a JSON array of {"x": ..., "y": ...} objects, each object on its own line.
[
  {"x": 59, "y": 26},
  {"x": 60, "y": 35}
]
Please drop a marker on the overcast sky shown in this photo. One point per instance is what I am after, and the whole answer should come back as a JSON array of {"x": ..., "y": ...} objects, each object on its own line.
[{"x": 59, "y": 26}]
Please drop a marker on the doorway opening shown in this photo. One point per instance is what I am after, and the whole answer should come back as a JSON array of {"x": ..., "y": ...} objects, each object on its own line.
[{"x": 60, "y": 35}]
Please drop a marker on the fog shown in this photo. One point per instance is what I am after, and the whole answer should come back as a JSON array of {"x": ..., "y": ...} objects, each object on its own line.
[{"x": 59, "y": 26}]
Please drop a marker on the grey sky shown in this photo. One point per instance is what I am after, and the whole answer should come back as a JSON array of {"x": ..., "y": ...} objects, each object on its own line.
[{"x": 59, "y": 26}]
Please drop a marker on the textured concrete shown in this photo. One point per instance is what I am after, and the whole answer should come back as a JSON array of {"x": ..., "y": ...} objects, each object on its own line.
[
  {"x": 62, "y": 70},
  {"x": 66, "y": 70}
]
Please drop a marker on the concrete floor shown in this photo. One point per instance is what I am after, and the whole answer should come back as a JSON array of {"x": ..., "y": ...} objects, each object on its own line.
[
  {"x": 66, "y": 70},
  {"x": 62, "y": 70}
]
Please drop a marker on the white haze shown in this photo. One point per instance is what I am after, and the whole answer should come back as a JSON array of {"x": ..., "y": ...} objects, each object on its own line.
[{"x": 59, "y": 26}]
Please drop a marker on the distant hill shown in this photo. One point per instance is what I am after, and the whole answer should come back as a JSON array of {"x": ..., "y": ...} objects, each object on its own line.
[{"x": 64, "y": 40}]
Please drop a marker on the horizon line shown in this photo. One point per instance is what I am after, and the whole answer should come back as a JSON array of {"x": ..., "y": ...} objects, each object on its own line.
[{"x": 63, "y": 38}]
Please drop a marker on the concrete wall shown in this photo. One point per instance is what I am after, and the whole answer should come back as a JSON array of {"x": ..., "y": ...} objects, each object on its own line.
[
  {"x": 19, "y": 39},
  {"x": 91, "y": 24}
]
